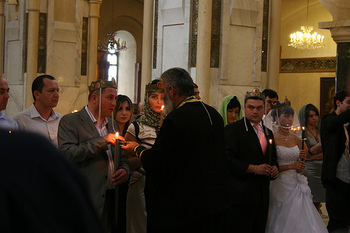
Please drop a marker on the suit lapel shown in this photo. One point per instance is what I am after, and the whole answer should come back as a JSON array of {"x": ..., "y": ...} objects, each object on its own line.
[
  {"x": 253, "y": 136},
  {"x": 88, "y": 124}
]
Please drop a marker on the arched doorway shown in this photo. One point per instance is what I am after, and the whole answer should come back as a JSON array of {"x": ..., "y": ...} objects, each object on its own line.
[{"x": 122, "y": 65}]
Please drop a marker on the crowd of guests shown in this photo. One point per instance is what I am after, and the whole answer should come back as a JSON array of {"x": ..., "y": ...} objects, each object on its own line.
[{"x": 165, "y": 170}]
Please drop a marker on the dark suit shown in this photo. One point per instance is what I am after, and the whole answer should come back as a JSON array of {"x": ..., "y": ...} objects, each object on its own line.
[
  {"x": 249, "y": 192},
  {"x": 40, "y": 190},
  {"x": 79, "y": 140},
  {"x": 186, "y": 185},
  {"x": 337, "y": 192}
]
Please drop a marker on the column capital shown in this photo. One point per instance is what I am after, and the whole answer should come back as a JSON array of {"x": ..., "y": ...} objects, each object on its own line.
[
  {"x": 94, "y": 8},
  {"x": 340, "y": 30},
  {"x": 33, "y": 5}
]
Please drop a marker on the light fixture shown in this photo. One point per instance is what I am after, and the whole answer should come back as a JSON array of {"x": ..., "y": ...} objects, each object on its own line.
[
  {"x": 304, "y": 39},
  {"x": 12, "y": 2},
  {"x": 111, "y": 44}
]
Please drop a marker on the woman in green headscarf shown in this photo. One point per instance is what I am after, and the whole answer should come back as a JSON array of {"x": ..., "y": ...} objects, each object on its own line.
[{"x": 230, "y": 109}]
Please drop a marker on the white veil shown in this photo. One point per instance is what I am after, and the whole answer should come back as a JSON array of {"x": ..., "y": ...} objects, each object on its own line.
[{"x": 277, "y": 119}]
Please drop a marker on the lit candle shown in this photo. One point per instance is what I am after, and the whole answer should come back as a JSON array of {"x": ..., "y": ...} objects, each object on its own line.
[
  {"x": 270, "y": 150},
  {"x": 161, "y": 115},
  {"x": 116, "y": 151}
]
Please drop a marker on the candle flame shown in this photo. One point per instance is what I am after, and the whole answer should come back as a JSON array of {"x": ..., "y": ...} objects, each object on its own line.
[
  {"x": 117, "y": 134},
  {"x": 270, "y": 141},
  {"x": 162, "y": 107},
  {"x": 303, "y": 128}
]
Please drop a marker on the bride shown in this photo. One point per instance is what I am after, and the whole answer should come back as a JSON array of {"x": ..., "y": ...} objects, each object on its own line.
[{"x": 291, "y": 209}]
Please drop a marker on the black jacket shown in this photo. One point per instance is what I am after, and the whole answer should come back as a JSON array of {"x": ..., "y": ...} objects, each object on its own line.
[
  {"x": 243, "y": 148},
  {"x": 333, "y": 142},
  {"x": 186, "y": 176},
  {"x": 40, "y": 190}
]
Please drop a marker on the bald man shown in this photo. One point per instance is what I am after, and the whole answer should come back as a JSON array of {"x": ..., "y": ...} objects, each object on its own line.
[{"x": 6, "y": 122}]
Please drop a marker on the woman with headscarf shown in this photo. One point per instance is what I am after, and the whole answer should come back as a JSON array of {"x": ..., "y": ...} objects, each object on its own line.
[
  {"x": 291, "y": 209},
  {"x": 309, "y": 118},
  {"x": 144, "y": 131},
  {"x": 230, "y": 109}
]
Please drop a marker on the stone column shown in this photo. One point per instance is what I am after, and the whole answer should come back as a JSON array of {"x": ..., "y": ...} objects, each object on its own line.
[
  {"x": 94, "y": 14},
  {"x": 146, "y": 72},
  {"x": 274, "y": 45},
  {"x": 33, "y": 9},
  {"x": 340, "y": 32},
  {"x": 203, "y": 48},
  {"x": 2, "y": 35}
]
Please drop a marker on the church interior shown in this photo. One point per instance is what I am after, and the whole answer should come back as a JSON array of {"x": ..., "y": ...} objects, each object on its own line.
[{"x": 228, "y": 46}]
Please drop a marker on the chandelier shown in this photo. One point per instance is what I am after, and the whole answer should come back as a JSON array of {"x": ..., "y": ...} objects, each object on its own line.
[
  {"x": 304, "y": 40},
  {"x": 110, "y": 44}
]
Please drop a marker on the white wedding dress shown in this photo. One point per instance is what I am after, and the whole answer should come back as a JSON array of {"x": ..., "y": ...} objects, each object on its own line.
[{"x": 291, "y": 209}]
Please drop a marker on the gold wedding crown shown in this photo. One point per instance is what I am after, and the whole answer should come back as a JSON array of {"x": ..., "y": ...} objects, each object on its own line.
[
  {"x": 102, "y": 83},
  {"x": 255, "y": 92},
  {"x": 286, "y": 103},
  {"x": 158, "y": 87}
]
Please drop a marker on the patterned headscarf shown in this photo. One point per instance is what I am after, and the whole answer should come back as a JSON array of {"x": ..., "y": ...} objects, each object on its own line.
[{"x": 150, "y": 117}]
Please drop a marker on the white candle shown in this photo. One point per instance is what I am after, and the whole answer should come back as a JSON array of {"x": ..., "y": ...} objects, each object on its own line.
[
  {"x": 116, "y": 151},
  {"x": 161, "y": 115},
  {"x": 270, "y": 150}
]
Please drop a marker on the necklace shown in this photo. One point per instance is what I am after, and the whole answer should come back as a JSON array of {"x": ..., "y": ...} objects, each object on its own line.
[
  {"x": 313, "y": 135},
  {"x": 285, "y": 137}
]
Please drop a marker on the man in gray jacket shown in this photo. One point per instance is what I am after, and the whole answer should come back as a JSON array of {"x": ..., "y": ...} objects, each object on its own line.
[{"x": 87, "y": 138}]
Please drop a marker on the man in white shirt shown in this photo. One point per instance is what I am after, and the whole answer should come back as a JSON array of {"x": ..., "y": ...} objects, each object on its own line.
[
  {"x": 6, "y": 122},
  {"x": 40, "y": 117}
]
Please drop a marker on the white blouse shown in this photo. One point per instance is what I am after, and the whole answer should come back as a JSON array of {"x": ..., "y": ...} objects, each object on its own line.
[{"x": 147, "y": 133}]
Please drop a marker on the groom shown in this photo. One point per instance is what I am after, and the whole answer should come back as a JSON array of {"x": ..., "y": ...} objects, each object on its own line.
[{"x": 251, "y": 162}]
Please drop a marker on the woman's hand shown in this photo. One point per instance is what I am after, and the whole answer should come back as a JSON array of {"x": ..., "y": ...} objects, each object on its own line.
[
  {"x": 302, "y": 155},
  {"x": 299, "y": 165}
]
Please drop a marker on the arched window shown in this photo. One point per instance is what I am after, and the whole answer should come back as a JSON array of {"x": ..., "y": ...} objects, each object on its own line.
[{"x": 113, "y": 59}]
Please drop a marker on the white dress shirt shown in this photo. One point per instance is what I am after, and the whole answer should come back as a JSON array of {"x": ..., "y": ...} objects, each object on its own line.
[
  {"x": 102, "y": 131},
  {"x": 7, "y": 122},
  {"x": 31, "y": 120}
]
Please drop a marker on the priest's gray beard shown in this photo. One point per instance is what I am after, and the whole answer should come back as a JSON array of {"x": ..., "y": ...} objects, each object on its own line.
[{"x": 169, "y": 104}]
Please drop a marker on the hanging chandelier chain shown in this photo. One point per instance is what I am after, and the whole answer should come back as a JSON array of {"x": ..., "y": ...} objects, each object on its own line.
[{"x": 304, "y": 39}]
